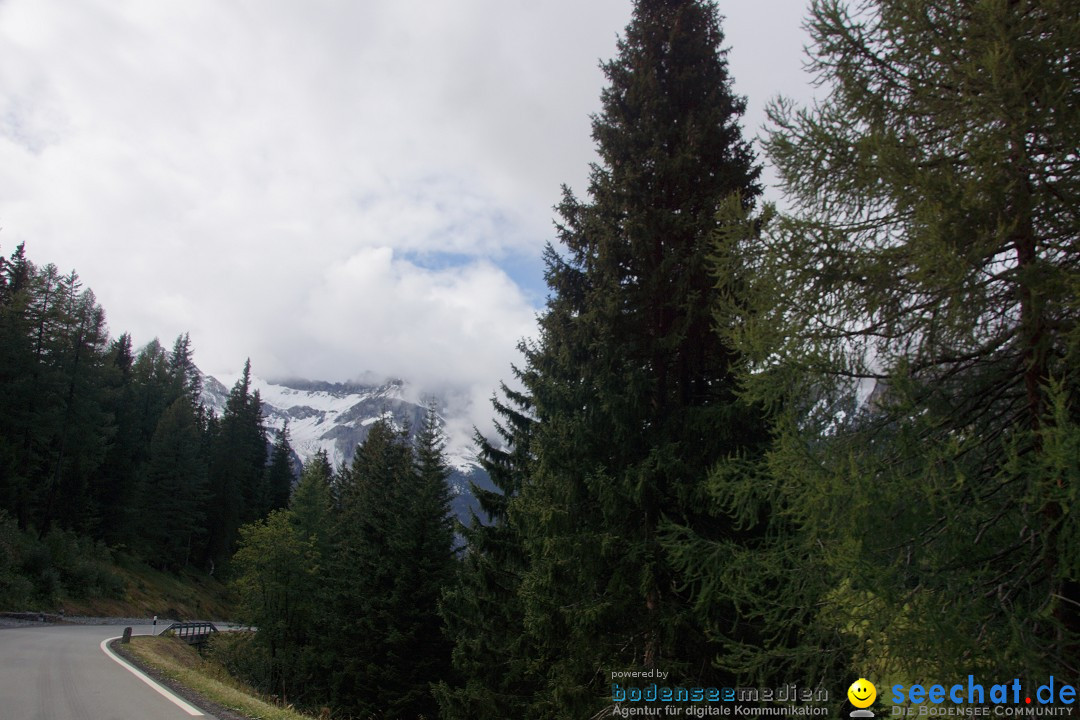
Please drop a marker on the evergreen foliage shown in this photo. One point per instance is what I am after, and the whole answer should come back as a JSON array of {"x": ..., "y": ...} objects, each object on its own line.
[
  {"x": 55, "y": 428},
  {"x": 913, "y": 322},
  {"x": 747, "y": 446},
  {"x": 174, "y": 487},
  {"x": 110, "y": 443},
  {"x": 182, "y": 370},
  {"x": 279, "y": 569},
  {"x": 116, "y": 481},
  {"x": 279, "y": 473},
  {"x": 350, "y": 584},
  {"x": 392, "y": 559},
  {"x": 482, "y": 607},
  {"x": 237, "y": 468},
  {"x": 629, "y": 394},
  {"x": 312, "y": 502}
]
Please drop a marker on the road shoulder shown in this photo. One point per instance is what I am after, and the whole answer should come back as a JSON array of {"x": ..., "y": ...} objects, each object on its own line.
[{"x": 209, "y": 707}]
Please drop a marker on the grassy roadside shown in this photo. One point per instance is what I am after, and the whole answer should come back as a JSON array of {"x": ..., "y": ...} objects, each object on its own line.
[
  {"x": 67, "y": 573},
  {"x": 147, "y": 592},
  {"x": 181, "y": 664}
]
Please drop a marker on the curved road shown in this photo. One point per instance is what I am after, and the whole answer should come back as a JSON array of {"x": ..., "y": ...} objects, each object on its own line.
[{"x": 60, "y": 672}]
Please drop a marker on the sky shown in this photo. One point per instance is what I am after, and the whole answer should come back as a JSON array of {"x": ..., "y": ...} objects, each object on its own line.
[{"x": 334, "y": 189}]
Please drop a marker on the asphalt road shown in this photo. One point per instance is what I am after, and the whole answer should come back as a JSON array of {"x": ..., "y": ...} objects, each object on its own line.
[{"x": 60, "y": 672}]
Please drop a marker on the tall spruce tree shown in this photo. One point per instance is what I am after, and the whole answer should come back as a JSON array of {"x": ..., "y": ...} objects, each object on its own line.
[
  {"x": 116, "y": 483},
  {"x": 483, "y": 611},
  {"x": 391, "y": 559},
  {"x": 931, "y": 254},
  {"x": 631, "y": 392},
  {"x": 153, "y": 387},
  {"x": 429, "y": 528},
  {"x": 237, "y": 468},
  {"x": 17, "y": 373},
  {"x": 183, "y": 371},
  {"x": 174, "y": 488},
  {"x": 313, "y": 500},
  {"x": 279, "y": 473}
]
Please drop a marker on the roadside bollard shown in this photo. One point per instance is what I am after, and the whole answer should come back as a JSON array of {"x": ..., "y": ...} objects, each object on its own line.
[{"x": 127, "y": 636}]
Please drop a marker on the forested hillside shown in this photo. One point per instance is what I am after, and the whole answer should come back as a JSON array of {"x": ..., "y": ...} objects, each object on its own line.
[
  {"x": 111, "y": 444},
  {"x": 344, "y": 585}
]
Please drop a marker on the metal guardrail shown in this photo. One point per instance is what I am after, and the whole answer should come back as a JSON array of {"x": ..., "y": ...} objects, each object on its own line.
[{"x": 193, "y": 633}]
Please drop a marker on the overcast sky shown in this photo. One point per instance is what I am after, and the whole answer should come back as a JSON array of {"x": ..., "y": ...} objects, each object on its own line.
[{"x": 328, "y": 188}]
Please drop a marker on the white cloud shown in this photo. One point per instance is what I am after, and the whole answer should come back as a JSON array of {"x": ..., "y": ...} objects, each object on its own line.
[{"x": 328, "y": 187}]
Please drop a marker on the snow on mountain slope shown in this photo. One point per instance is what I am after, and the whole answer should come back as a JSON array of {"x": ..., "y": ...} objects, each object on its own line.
[{"x": 336, "y": 417}]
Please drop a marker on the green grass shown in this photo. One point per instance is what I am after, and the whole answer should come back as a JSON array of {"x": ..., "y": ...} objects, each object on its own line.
[
  {"x": 184, "y": 665},
  {"x": 191, "y": 595}
]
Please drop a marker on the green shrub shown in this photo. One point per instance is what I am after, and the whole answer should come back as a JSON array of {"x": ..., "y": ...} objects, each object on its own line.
[
  {"x": 48, "y": 585},
  {"x": 16, "y": 590},
  {"x": 83, "y": 565},
  {"x": 39, "y": 572},
  {"x": 242, "y": 657}
]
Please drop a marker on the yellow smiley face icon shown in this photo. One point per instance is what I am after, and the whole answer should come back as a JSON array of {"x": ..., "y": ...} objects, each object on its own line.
[{"x": 862, "y": 693}]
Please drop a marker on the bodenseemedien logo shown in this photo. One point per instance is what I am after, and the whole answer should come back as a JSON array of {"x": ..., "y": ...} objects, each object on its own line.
[{"x": 629, "y": 698}]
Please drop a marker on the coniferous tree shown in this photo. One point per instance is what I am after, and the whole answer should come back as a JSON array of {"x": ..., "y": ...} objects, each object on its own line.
[
  {"x": 147, "y": 398},
  {"x": 174, "y": 488},
  {"x": 5, "y": 296},
  {"x": 153, "y": 387},
  {"x": 365, "y": 570},
  {"x": 632, "y": 393},
  {"x": 116, "y": 483},
  {"x": 279, "y": 473},
  {"x": 74, "y": 427},
  {"x": 311, "y": 511},
  {"x": 18, "y": 271},
  {"x": 237, "y": 468},
  {"x": 17, "y": 370},
  {"x": 931, "y": 255},
  {"x": 482, "y": 608},
  {"x": 429, "y": 552},
  {"x": 391, "y": 560},
  {"x": 278, "y": 581},
  {"x": 312, "y": 502},
  {"x": 111, "y": 444},
  {"x": 36, "y": 417},
  {"x": 71, "y": 429},
  {"x": 182, "y": 369}
]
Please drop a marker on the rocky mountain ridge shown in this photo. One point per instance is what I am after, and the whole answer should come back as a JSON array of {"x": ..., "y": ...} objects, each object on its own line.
[{"x": 336, "y": 418}]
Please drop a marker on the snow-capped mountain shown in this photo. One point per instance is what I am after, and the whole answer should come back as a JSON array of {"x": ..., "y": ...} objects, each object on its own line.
[{"x": 336, "y": 417}]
